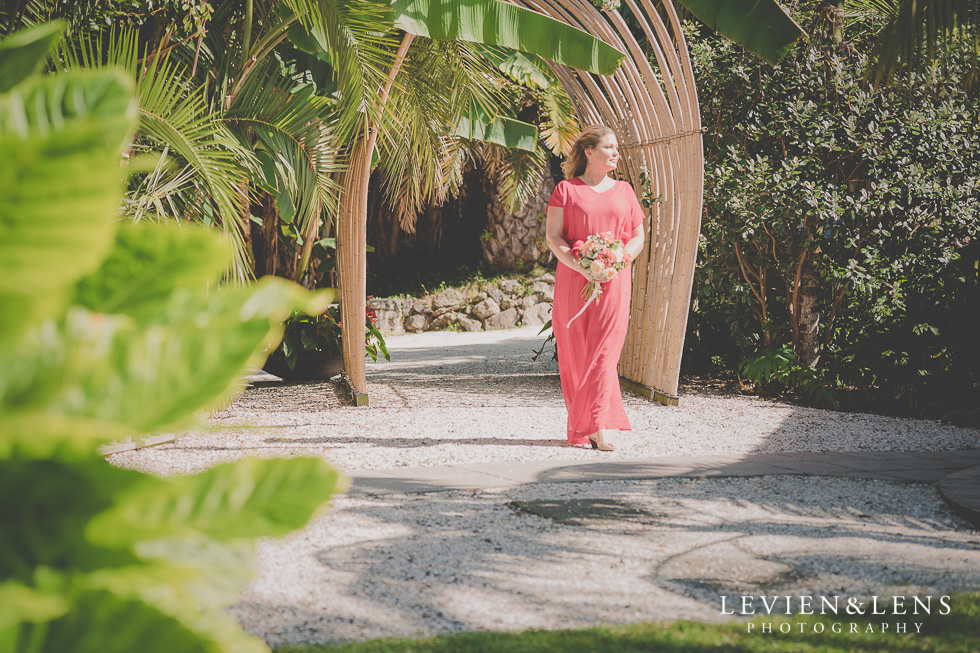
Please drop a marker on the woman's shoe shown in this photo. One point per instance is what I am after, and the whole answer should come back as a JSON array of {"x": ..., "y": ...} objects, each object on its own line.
[{"x": 600, "y": 444}]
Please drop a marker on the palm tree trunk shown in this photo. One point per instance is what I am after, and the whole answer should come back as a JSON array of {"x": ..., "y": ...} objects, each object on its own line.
[
  {"x": 351, "y": 260},
  {"x": 352, "y": 240}
]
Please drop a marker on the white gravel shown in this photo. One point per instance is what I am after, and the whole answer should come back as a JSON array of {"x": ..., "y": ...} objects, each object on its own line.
[
  {"x": 405, "y": 565},
  {"x": 476, "y": 397},
  {"x": 419, "y": 565}
]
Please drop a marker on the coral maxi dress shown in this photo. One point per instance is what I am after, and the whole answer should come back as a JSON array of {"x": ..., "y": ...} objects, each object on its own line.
[{"x": 588, "y": 351}]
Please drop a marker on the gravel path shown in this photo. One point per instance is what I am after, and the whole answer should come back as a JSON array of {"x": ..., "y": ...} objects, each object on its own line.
[
  {"x": 405, "y": 565},
  {"x": 477, "y": 397},
  {"x": 414, "y": 565}
]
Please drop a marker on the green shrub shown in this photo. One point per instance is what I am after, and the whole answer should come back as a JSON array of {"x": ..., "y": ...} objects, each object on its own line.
[
  {"x": 109, "y": 330},
  {"x": 778, "y": 366},
  {"x": 841, "y": 221},
  {"x": 321, "y": 334}
]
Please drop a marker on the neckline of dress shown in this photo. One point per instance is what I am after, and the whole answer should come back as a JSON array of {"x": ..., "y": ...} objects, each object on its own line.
[{"x": 597, "y": 192}]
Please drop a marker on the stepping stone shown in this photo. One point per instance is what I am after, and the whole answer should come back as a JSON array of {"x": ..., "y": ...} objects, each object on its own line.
[
  {"x": 724, "y": 565},
  {"x": 962, "y": 491}
]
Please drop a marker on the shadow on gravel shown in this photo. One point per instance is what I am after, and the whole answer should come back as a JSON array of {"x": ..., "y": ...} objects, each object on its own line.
[
  {"x": 474, "y": 371},
  {"x": 472, "y": 561},
  {"x": 414, "y": 443},
  {"x": 512, "y": 560}
]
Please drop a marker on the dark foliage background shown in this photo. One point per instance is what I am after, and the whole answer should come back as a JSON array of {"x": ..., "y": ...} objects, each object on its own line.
[{"x": 839, "y": 250}]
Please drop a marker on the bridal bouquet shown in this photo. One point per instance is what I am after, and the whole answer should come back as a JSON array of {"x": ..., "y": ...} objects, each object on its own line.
[{"x": 602, "y": 256}]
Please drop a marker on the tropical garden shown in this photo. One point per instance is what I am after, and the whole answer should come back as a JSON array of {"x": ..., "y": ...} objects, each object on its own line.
[
  {"x": 839, "y": 251},
  {"x": 171, "y": 181}
]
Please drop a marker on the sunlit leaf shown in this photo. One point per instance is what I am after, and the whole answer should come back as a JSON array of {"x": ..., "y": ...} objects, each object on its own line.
[
  {"x": 500, "y": 23},
  {"x": 68, "y": 128},
  {"x": 156, "y": 374},
  {"x": 761, "y": 26},
  {"x": 250, "y": 498},
  {"x": 148, "y": 264}
]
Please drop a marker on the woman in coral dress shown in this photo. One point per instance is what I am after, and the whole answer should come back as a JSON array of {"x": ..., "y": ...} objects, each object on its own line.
[{"x": 589, "y": 201}]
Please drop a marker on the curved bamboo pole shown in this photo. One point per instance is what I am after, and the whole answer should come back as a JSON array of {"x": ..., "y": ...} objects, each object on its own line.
[
  {"x": 654, "y": 110},
  {"x": 352, "y": 242},
  {"x": 652, "y": 105}
]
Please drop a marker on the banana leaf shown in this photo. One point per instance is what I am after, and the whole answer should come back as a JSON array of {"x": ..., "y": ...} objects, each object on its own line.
[
  {"x": 760, "y": 26},
  {"x": 499, "y": 23}
]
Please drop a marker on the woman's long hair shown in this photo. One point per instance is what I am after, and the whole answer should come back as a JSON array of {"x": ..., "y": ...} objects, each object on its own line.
[{"x": 574, "y": 165}]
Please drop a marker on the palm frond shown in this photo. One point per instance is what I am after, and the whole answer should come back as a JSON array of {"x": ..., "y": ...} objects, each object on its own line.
[
  {"x": 297, "y": 148},
  {"x": 559, "y": 124},
  {"x": 441, "y": 80},
  {"x": 358, "y": 38},
  {"x": 914, "y": 32},
  {"x": 516, "y": 173},
  {"x": 162, "y": 193},
  {"x": 860, "y": 9},
  {"x": 174, "y": 114}
]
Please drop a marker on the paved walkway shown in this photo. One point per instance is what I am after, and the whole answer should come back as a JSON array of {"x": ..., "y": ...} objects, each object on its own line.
[{"x": 957, "y": 472}]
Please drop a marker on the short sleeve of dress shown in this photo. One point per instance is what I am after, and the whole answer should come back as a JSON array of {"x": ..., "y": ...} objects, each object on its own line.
[
  {"x": 636, "y": 215},
  {"x": 559, "y": 195}
]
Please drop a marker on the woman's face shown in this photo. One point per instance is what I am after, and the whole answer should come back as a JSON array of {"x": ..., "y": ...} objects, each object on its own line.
[{"x": 605, "y": 155}]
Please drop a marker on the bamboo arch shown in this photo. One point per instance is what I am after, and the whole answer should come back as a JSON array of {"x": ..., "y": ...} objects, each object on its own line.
[{"x": 653, "y": 108}]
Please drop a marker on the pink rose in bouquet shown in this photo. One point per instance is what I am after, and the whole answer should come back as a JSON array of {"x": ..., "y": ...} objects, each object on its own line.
[{"x": 602, "y": 256}]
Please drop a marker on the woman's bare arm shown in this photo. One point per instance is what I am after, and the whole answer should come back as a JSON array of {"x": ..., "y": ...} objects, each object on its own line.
[
  {"x": 635, "y": 244},
  {"x": 556, "y": 243}
]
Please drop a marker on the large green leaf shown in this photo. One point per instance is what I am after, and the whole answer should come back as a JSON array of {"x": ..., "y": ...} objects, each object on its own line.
[
  {"x": 23, "y": 54},
  {"x": 190, "y": 567},
  {"x": 147, "y": 375},
  {"x": 103, "y": 622},
  {"x": 179, "y": 544},
  {"x": 761, "y": 26},
  {"x": 60, "y": 141},
  {"x": 499, "y": 23},
  {"x": 26, "y": 604},
  {"x": 502, "y": 131},
  {"x": 45, "y": 505},
  {"x": 246, "y": 499},
  {"x": 148, "y": 263},
  {"x": 21, "y": 435}
]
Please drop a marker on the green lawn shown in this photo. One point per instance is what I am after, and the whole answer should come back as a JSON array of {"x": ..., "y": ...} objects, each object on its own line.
[{"x": 957, "y": 632}]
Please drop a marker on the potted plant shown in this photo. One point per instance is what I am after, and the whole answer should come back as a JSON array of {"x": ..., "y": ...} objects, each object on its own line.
[{"x": 312, "y": 347}]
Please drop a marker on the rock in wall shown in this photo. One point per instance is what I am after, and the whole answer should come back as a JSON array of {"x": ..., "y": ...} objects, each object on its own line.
[
  {"x": 517, "y": 241},
  {"x": 505, "y": 304}
]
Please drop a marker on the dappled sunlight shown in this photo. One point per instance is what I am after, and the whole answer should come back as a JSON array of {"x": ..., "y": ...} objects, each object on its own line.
[
  {"x": 406, "y": 565},
  {"x": 419, "y": 564},
  {"x": 450, "y": 398}
]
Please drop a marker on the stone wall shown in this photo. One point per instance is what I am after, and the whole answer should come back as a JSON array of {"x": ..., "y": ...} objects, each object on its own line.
[
  {"x": 501, "y": 305},
  {"x": 517, "y": 241}
]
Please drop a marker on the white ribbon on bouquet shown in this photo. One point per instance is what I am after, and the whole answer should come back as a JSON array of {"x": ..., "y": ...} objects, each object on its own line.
[{"x": 596, "y": 291}]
